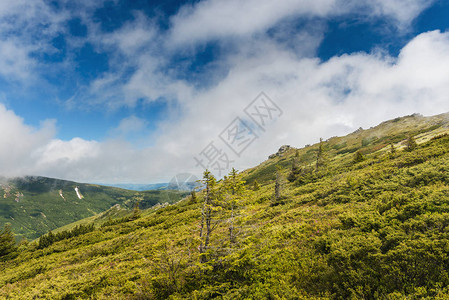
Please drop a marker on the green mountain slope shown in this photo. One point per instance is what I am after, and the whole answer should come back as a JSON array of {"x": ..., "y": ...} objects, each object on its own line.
[
  {"x": 373, "y": 225},
  {"x": 35, "y": 205}
]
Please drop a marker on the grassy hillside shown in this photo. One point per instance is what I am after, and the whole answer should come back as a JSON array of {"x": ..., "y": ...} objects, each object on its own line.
[
  {"x": 367, "y": 226},
  {"x": 35, "y": 205}
]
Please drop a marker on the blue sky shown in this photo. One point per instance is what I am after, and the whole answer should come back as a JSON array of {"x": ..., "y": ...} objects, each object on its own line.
[{"x": 131, "y": 91}]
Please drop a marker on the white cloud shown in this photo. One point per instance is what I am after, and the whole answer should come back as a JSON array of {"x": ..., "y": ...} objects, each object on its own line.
[
  {"x": 318, "y": 98},
  {"x": 140, "y": 54},
  {"x": 26, "y": 29},
  {"x": 215, "y": 19},
  {"x": 15, "y": 61},
  {"x": 130, "y": 38},
  {"x": 18, "y": 141},
  {"x": 27, "y": 33},
  {"x": 58, "y": 153},
  {"x": 130, "y": 125},
  {"x": 403, "y": 11}
]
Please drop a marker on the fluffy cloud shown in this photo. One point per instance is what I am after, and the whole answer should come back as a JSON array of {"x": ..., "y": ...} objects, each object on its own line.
[
  {"x": 129, "y": 125},
  {"x": 21, "y": 23},
  {"x": 318, "y": 98},
  {"x": 18, "y": 141},
  {"x": 214, "y": 19},
  {"x": 402, "y": 11},
  {"x": 141, "y": 65}
]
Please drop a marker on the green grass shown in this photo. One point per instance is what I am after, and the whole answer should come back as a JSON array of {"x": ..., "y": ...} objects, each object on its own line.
[{"x": 376, "y": 229}]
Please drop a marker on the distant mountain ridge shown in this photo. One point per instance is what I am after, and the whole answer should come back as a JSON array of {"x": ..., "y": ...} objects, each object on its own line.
[
  {"x": 173, "y": 185},
  {"x": 34, "y": 205},
  {"x": 139, "y": 187}
]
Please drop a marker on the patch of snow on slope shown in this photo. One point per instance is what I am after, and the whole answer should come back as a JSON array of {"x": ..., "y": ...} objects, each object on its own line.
[
  {"x": 78, "y": 193},
  {"x": 62, "y": 196}
]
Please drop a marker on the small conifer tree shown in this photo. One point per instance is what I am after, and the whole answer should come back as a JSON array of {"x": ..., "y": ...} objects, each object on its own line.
[
  {"x": 206, "y": 226},
  {"x": 8, "y": 248},
  {"x": 392, "y": 151},
  {"x": 359, "y": 157},
  {"x": 294, "y": 171},
  {"x": 256, "y": 186},
  {"x": 193, "y": 198},
  {"x": 234, "y": 188},
  {"x": 411, "y": 143},
  {"x": 320, "y": 161},
  {"x": 136, "y": 210}
]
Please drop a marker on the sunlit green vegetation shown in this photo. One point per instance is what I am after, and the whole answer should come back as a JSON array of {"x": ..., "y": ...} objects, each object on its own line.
[{"x": 345, "y": 228}]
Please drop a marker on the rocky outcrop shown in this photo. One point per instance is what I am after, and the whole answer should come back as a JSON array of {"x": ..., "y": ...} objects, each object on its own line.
[{"x": 281, "y": 151}]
